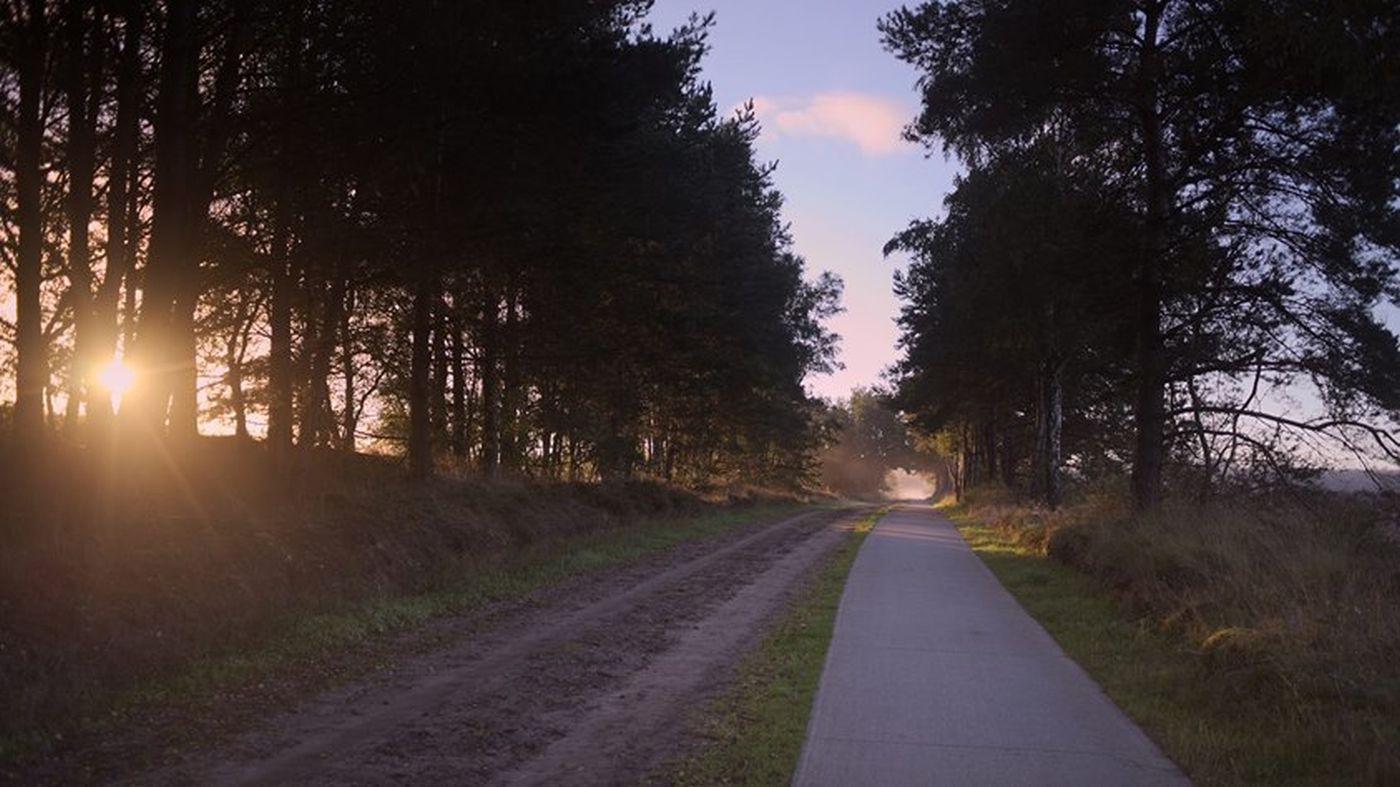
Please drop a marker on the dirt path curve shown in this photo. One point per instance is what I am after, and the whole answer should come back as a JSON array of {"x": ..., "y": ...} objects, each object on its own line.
[{"x": 594, "y": 687}]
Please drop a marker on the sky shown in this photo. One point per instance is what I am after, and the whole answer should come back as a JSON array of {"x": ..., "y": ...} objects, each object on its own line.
[{"x": 832, "y": 103}]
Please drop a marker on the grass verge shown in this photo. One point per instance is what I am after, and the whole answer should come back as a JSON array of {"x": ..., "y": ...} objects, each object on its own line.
[
  {"x": 1224, "y": 722},
  {"x": 307, "y": 641},
  {"x": 755, "y": 730}
]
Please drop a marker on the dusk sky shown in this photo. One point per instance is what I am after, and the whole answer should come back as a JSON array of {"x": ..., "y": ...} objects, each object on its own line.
[{"x": 833, "y": 103}]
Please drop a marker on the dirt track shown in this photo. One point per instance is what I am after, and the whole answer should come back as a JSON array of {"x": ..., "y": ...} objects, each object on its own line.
[{"x": 596, "y": 682}]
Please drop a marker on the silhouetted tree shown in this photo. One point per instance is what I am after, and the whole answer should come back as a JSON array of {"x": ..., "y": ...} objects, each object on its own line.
[
  {"x": 519, "y": 232},
  {"x": 1246, "y": 137}
]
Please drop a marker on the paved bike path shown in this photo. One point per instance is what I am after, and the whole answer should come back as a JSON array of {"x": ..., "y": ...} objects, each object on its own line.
[{"x": 936, "y": 675}]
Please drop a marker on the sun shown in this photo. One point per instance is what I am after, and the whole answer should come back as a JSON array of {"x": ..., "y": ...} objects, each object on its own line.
[{"x": 117, "y": 377}]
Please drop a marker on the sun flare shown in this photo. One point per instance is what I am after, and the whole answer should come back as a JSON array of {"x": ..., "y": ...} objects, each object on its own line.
[{"x": 116, "y": 377}]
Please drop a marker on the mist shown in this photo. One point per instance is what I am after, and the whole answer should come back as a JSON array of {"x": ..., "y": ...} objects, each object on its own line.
[{"x": 904, "y": 485}]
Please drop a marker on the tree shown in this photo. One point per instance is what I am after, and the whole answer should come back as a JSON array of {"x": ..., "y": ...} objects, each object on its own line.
[
  {"x": 28, "y": 31},
  {"x": 870, "y": 441},
  {"x": 1238, "y": 132},
  {"x": 521, "y": 232},
  {"x": 1012, "y": 298}
]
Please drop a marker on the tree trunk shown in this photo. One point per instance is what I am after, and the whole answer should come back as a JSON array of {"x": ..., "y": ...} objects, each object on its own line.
[
  {"x": 349, "y": 417},
  {"x": 669, "y": 471},
  {"x": 168, "y": 261},
  {"x": 967, "y": 464},
  {"x": 233, "y": 377},
  {"x": 279, "y": 378},
  {"x": 490, "y": 448},
  {"x": 989, "y": 448},
  {"x": 459, "y": 384},
  {"x": 284, "y": 281},
  {"x": 321, "y": 344},
  {"x": 121, "y": 191},
  {"x": 1010, "y": 456},
  {"x": 135, "y": 279},
  {"x": 439, "y": 379},
  {"x": 184, "y": 380},
  {"x": 972, "y": 438},
  {"x": 306, "y": 359},
  {"x": 1051, "y": 422},
  {"x": 945, "y": 477},
  {"x": 511, "y": 394},
  {"x": 1202, "y": 440},
  {"x": 83, "y": 72},
  {"x": 136, "y": 269},
  {"x": 420, "y": 445},
  {"x": 1039, "y": 454},
  {"x": 204, "y": 166},
  {"x": 1149, "y": 416},
  {"x": 32, "y": 372}
]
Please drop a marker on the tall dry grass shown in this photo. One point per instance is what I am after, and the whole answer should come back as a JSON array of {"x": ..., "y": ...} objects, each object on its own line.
[
  {"x": 1291, "y": 600},
  {"x": 112, "y": 572}
]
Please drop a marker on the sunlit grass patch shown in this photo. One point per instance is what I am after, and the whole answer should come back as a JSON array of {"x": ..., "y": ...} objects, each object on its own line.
[{"x": 756, "y": 729}]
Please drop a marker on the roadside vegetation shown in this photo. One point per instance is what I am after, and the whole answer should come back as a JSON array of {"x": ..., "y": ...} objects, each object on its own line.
[
  {"x": 159, "y": 608},
  {"x": 755, "y": 731},
  {"x": 1253, "y": 639}
]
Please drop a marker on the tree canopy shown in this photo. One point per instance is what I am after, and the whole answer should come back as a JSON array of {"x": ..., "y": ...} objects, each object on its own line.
[
  {"x": 1212, "y": 184},
  {"x": 517, "y": 233}
]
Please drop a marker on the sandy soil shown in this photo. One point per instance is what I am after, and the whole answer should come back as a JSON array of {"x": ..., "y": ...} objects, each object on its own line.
[{"x": 596, "y": 681}]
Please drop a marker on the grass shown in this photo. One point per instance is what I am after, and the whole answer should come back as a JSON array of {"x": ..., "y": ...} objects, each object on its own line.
[
  {"x": 1230, "y": 704},
  {"x": 119, "y": 570},
  {"x": 308, "y": 639},
  {"x": 756, "y": 729}
]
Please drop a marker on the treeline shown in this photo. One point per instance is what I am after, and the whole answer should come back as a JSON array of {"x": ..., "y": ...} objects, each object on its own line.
[
  {"x": 516, "y": 233},
  {"x": 1176, "y": 217},
  {"x": 868, "y": 440}
]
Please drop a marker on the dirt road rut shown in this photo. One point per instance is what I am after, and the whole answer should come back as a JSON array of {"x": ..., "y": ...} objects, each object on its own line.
[{"x": 595, "y": 684}]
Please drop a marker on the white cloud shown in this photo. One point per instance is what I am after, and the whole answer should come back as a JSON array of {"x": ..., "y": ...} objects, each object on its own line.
[{"x": 873, "y": 123}]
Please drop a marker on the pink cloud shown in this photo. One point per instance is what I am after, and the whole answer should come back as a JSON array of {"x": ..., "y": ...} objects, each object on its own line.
[{"x": 873, "y": 123}]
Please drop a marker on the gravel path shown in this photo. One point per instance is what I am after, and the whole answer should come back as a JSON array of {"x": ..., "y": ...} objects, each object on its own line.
[{"x": 595, "y": 682}]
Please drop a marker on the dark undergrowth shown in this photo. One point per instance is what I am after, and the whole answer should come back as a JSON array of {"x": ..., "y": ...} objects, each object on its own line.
[
  {"x": 1255, "y": 639},
  {"x": 136, "y": 580}
]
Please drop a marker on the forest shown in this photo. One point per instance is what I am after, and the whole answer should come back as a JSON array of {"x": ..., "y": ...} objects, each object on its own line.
[
  {"x": 519, "y": 239},
  {"x": 1173, "y": 250}
]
